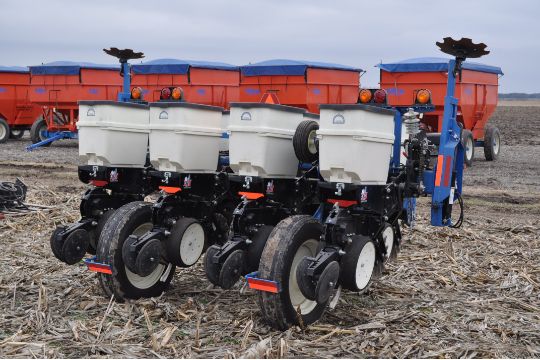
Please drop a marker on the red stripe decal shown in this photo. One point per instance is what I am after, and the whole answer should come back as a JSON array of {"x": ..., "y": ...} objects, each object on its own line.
[{"x": 342, "y": 203}]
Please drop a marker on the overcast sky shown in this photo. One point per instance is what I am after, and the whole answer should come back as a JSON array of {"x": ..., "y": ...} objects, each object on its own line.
[{"x": 357, "y": 33}]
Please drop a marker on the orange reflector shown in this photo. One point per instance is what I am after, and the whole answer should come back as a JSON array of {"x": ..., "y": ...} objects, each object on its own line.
[
  {"x": 343, "y": 203},
  {"x": 438, "y": 173},
  {"x": 251, "y": 195},
  {"x": 270, "y": 98},
  {"x": 177, "y": 93},
  {"x": 364, "y": 96},
  {"x": 170, "y": 189},
  {"x": 136, "y": 93},
  {"x": 99, "y": 182},
  {"x": 263, "y": 285},
  {"x": 422, "y": 96},
  {"x": 101, "y": 268}
]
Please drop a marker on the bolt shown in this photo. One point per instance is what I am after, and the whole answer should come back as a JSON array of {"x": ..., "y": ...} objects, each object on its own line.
[
  {"x": 388, "y": 190},
  {"x": 94, "y": 223},
  {"x": 341, "y": 252},
  {"x": 248, "y": 241},
  {"x": 331, "y": 283},
  {"x": 385, "y": 218},
  {"x": 152, "y": 259},
  {"x": 167, "y": 233}
]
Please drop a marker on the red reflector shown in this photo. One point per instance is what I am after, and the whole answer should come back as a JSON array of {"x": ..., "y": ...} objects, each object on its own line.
[
  {"x": 342, "y": 203},
  {"x": 165, "y": 94},
  {"x": 101, "y": 268},
  {"x": 170, "y": 189},
  {"x": 263, "y": 285},
  {"x": 99, "y": 182},
  {"x": 380, "y": 96},
  {"x": 251, "y": 195}
]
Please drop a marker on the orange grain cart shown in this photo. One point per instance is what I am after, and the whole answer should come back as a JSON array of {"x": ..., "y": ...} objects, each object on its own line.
[
  {"x": 17, "y": 113},
  {"x": 300, "y": 83},
  {"x": 477, "y": 92},
  {"x": 58, "y": 86},
  {"x": 209, "y": 83}
]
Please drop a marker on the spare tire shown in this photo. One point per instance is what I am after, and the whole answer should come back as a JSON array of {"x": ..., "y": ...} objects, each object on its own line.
[{"x": 304, "y": 141}]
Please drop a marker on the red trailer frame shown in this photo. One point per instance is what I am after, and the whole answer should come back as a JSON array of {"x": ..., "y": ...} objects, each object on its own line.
[
  {"x": 16, "y": 110},
  {"x": 208, "y": 83},
  {"x": 300, "y": 83}
]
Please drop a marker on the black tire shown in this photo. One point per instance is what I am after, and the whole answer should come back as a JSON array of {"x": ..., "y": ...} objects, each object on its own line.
[
  {"x": 4, "y": 131},
  {"x": 35, "y": 131},
  {"x": 16, "y": 134},
  {"x": 492, "y": 143},
  {"x": 387, "y": 239},
  {"x": 305, "y": 146},
  {"x": 255, "y": 250},
  {"x": 56, "y": 246},
  {"x": 296, "y": 236},
  {"x": 173, "y": 245},
  {"x": 350, "y": 262},
  {"x": 96, "y": 232},
  {"x": 467, "y": 141},
  {"x": 132, "y": 218}
]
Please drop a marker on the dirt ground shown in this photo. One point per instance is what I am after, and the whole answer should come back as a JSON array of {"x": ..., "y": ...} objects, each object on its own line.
[{"x": 469, "y": 292}]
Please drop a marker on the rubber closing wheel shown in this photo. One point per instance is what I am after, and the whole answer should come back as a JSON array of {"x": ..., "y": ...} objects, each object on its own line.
[
  {"x": 358, "y": 263},
  {"x": 128, "y": 256},
  {"x": 307, "y": 287},
  {"x": 232, "y": 269},
  {"x": 304, "y": 141},
  {"x": 185, "y": 245},
  {"x": 148, "y": 258},
  {"x": 492, "y": 143},
  {"x": 75, "y": 246},
  {"x": 56, "y": 242},
  {"x": 210, "y": 268},
  {"x": 327, "y": 282}
]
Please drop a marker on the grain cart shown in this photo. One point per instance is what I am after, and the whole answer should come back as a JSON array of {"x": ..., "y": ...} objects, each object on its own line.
[
  {"x": 17, "y": 113},
  {"x": 58, "y": 86},
  {"x": 200, "y": 82},
  {"x": 423, "y": 81},
  {"x": 308, "y": 259}
]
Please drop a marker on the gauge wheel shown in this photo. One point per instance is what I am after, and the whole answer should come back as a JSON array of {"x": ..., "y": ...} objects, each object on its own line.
[{"x": 134, "y": 218}]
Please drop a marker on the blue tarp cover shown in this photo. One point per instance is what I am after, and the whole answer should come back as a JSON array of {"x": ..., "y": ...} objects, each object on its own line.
[
  {"x": 175, "y": 66},
  {"x": 435, "y": 64},
  {"x": 289, "y": 67},
  {"x": 15, "y": 69},
  {"x": 68, "y": 68}
]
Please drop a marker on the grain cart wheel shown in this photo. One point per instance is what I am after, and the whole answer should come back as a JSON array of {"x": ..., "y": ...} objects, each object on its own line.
[
  {"x": 492, "y": 143},
  {"x": 4, "y": 131},
  {"x": 358, "y": 263},
  {"x": 290, "y": 242},
  {"x": 186, "y": 243},
  {"x": 96, "y": 232},
  {"x": 304, "y": 141},
  {"x": 16, "y": 133},
  {"x": 36, "y": 131},
  {"x": 468, "y": 146},
  {"x": 134, "y": 218}
]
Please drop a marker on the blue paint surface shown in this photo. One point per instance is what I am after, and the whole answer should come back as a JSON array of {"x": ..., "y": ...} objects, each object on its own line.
[
  {"x": 2, "y": 90},
  {"x": 40, "y": 90},
  {"x": 252, "y": 91},
  {"x": 395, "y": 91},
  {"x": 93, "y": 91},
  {"x": 201, "y": 91},
  {"x": 468, "y": 91},
  {"x": 316, "y": 91}
]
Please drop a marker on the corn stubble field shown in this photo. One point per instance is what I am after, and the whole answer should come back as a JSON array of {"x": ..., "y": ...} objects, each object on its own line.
[{"x": 469, "y": 292}]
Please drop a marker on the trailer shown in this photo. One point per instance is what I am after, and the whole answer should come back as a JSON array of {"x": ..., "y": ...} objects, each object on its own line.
[
  {"x": 200, "y": 82},
  {"x": 303, "y": 84},
  {"x": 423, "y": 81},
  {"x": 57, "y": 87},
  {"x": 17, "y": 113}
]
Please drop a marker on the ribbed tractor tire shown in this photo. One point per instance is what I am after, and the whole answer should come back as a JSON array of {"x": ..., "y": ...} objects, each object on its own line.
[
  {"x": 133, "y": 218},
  {"x": 467, "y": 141},
  {"x": 16, "y": 134},
  {"x": 289, "y": 242},
  {"x": 4, "y": 131},
  {"x": 492, "y": 143},
  {"x": 35, "y": 131},
  {"x": 305, "y": 146}
]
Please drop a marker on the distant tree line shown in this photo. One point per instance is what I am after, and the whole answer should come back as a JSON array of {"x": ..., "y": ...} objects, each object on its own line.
[{"x": 522, "y": 96}]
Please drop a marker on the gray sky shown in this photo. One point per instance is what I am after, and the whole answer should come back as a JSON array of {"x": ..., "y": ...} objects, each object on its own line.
[{"x": 357, "y": 33}]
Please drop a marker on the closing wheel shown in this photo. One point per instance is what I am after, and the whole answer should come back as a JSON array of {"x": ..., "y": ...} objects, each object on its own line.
[
  {"x": 306, "y": 286},
  {"x": 358, "y": 263},
  {"x": 185, "y": 245},
  {"x": 388, "y": 240},
  {"x": 293, "y": 239},
  {"x": 16, "y": 133},
  {"x": 232, "y": 269},
  {"x": 75, "y": 246},
  {"x": 212, "y": 270},
  {"x": 96, "y": 232},
  {"x": 492, "y": 143},
  {"x": 134, "y": 218},
  {"x": 304, "y": 141},
  {"x": 56, "y": 242},
  {"x": 4, "y": 131},
  {"x": 148, "y": 258},
  {"x": 36, "y": 131},
  {"x": 327, "y": 282},
  {"x": 467, "y": 141}
]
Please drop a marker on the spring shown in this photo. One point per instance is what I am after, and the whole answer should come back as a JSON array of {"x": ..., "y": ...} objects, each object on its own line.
[{"x": 411, "y": 121}]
